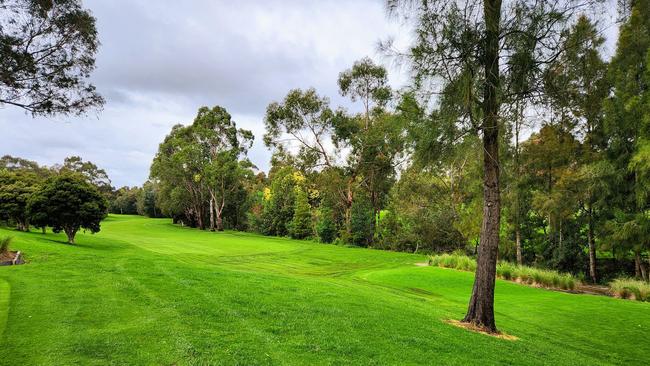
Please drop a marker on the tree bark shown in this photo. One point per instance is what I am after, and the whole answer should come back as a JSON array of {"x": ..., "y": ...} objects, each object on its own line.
[
  {"x": 480, "y": 311},
  {"x": 211, "y": 212},
  {"x": 70, "y": 233},
  {"x": 592, "y": 247},
  {"x": 520, "y": 260}
]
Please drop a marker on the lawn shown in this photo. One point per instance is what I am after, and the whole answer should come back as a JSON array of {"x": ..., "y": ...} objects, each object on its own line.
[{"x": 144, "y": 291}]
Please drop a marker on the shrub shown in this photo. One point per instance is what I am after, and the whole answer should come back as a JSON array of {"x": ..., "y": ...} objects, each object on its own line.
[
  {"x": 4, "y": 244},
  {"x": 508, "y": 271},
  {"x": 626, "y": 288}
]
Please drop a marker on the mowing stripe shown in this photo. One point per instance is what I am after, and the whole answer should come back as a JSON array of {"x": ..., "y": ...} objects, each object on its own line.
[{"x": 4, "y": 304}]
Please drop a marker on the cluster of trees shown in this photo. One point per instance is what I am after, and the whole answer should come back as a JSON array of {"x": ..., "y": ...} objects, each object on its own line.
[
  {"x": 65, "y": 197},
  {"x": 516, "y": 131}
]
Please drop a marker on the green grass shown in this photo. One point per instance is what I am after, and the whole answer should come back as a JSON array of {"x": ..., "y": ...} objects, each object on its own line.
[{"x": 146, "y": 292}]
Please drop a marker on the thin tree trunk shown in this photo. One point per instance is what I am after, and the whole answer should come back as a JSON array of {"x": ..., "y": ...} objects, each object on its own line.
[
  {"x": 480, "y": 311},
  {"x": 211, "y": 212},
  {"x": 592, "y": 246},
  {"x": 520, "y": 260},
  {"x": 637, "y": 265}
]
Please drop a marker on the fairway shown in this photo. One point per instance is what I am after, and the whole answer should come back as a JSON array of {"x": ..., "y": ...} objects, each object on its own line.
[{"x": 144, "y": 291}]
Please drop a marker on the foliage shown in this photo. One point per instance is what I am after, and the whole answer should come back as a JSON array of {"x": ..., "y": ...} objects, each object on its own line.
[
  {"x": 301, "y": 225},
  {"x": 68, "y": 203},
  {"x": 326, "y": 225},
  {"x": 362, "y": 221},
  {"x": 48, "y": 52}
]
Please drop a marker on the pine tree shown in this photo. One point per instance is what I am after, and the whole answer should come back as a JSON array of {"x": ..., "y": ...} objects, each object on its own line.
[{"x": 301, "y": 224}]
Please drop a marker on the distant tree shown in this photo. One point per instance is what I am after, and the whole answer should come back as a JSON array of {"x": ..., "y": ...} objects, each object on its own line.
[
  {"x": 93, "y": 174},
  {"x": 147, "y": 200},
  {"x": 362, "y": 221},
  {"x": 68, "y": 203},
  {"x": 124, "y": 201},
  {"x": 326, "y": 225},
  {"x": 47, "y": 53},
  {"x": 301, "y": 226},
  {"x": 16, "y": 187}
]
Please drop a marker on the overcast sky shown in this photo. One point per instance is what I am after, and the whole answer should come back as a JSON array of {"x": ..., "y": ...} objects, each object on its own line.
[{"x": 161, "y": 60}]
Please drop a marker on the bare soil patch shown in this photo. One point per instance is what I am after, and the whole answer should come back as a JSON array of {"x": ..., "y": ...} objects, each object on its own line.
[
  {"x": 473, "y": 328},
  {"x": 11, "y": 258}
]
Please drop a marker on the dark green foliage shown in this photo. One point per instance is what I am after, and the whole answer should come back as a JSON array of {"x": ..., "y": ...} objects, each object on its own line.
[
  {"x": 301, "y": 225},
  {"x": 16, "y": 187},
  {"x": 362, "y": 221},
  {"x": 68, "y": 203},
  {"x": 326, "y": 226}
]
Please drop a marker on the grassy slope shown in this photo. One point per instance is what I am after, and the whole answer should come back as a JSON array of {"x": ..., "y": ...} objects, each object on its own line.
[{"x": 145, "y": 292}]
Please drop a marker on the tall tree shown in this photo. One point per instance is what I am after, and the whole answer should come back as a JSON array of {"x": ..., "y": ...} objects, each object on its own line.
[
  {"x": 463, "y": 44},
  {"x": 47, "y": 52}
]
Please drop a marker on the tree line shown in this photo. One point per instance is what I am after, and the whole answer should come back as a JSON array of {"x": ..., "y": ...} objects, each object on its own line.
[{"x": 400, "y": 175}]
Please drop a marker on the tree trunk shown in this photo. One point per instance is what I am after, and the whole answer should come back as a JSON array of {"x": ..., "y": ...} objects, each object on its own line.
[
  {"x": 520, "y": 260},
  {"x": 70, "y": 233},
  {"x": 220, "y": 214},
  {"x": 480, "y": 311},
  {"x": 592, "y": 247},
  {"x": 637, "y": 265},
  {"x": 211, "y": 212},
  {"x": 44, "y": 229}
]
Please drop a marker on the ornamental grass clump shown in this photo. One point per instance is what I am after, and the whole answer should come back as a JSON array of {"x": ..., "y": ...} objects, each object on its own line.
[
  {"x": 509, "y": 271},
  {"x": 627, "y": 288}
]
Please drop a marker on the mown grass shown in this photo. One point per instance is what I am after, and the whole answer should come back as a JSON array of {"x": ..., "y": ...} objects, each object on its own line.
[
  {"x": 509, "y": 271},
  {"x": 627, "y": 288},
  {"x": 145, "y": 292}
]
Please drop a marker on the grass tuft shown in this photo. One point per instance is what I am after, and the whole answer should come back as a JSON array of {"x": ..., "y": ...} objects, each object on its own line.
[
  {"x": 627, "y": 288},
  {"x": 4, "y": 244},
  {"x": 509, "y": 271}
]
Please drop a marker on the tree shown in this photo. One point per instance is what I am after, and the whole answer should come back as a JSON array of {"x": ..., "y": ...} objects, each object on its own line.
[
  {"x": 361, "y": 221},
  {"x": 48, "y": 52},
  {"x": 326, "y": 225},
  {"x": 222, "y": 145},
  {"x": 627, "y": 127},
  {"x": 16, "y": 187},
  {"x": 93, "y": 174},
  {"x": 301, "y": 224},
  {"x": 470, "y": 45},
  {"x": 67, "y": 203}
]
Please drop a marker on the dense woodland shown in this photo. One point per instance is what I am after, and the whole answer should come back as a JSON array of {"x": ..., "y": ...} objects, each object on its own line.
[{"x": 517, "y": 132}]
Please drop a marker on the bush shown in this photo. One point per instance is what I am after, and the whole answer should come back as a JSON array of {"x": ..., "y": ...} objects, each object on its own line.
[
  {"x": 4, "y": 244},
  {"x": 627, "y": 288},
  {"x": 509, "y": 271},
  {"x": 326, "y": 227}
]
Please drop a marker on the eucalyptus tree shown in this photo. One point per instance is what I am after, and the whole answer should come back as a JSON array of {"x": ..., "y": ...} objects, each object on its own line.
[
  {"x": 223, "y": 145},
  {"x": 178, "y": 166},
  {"x": 48, "y": 52},
  {"x": 467, "y": 47}
]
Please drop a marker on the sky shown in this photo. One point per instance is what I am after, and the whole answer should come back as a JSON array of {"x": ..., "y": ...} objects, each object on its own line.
[{"x": 161, "y": 60}]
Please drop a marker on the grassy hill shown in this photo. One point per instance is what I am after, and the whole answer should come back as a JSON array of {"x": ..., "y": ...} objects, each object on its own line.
[{"x": 146, "y": 292}]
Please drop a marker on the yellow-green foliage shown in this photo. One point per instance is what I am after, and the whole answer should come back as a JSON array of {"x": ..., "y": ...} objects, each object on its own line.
[
  {"x": 4, "y": 244},
  {"x": 509, "y": 271},
  {"x": 627, "y": 288}
]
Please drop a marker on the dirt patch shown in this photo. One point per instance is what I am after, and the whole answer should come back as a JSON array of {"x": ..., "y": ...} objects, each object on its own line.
[
  {"x": 422, "y": 264},
  {"x": 473, "y": 328},
  {"x": 11, "y": 258}
]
